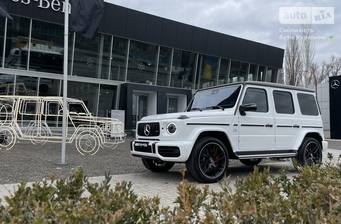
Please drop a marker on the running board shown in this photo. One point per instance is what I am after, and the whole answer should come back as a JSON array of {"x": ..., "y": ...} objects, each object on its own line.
[{"x": 266, "y": 154}]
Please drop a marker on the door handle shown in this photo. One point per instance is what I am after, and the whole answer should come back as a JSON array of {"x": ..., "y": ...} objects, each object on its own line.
[
  {"x": 296, "y": 126},
  {"x": 268, "y": 125}
]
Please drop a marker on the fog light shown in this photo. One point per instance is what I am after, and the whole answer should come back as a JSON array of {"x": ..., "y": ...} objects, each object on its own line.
[{"x": 171, "y": 128}]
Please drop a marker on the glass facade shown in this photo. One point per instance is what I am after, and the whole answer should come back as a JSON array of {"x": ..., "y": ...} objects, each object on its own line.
[
  {"x": 37, "y": 47},
  {"x": 183, "y": 69},
  {"x": 142, "y": 63}
]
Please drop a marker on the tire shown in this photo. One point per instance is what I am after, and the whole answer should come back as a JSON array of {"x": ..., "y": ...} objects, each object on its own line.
[
  {"x": 208, "y": 161},
  {"x": 310, "y": 152},
  {"x": 87, "y": 142},
  {"x": 250, "y": 162},
  {"x": 156, "y": 166}
]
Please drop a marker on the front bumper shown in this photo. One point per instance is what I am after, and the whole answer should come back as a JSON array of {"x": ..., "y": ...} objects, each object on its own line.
[{"x": 168, "y": 151}]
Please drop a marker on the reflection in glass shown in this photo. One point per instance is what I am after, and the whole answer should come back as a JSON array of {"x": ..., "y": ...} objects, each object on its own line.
[
  {"x": 238, "y": 71},
  {"x": 26, "y": 86},
  {"x": 49, "y": 87},
  {"x": 107, "y": 100},
  {"x": 208, "y": 71},
  {"x": 164, "y": 66},
  {"x": 2, "y": 32},
  {"x": 118, "y": 60},
  {"x": 183, "y": 69},
  {"x": 87, "y": 92},
  {"x": 261, "y": 73},
  {"x": 17, "y": 43},
  {"x": 172, "y": 105},
  {"x": 47, "y": 46},
  {"x": 224, "y": 71},
  {"x": 252, "y": 76},
  {"x": 271, "y": 75},
  {"x": 92, "y": 56},
  {"x": 142, "y": 61},
  {"x": 6, "y": 84}
]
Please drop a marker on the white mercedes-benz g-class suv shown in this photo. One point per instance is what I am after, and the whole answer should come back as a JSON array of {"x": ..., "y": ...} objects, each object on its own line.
[{"x": 247, "y": 121}]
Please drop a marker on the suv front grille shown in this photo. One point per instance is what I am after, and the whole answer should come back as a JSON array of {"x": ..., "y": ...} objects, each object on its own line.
[{"x": 148, "y": 129}]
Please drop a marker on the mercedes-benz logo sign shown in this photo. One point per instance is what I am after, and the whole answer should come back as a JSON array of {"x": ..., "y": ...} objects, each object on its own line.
[
  {"x": 146, "y": 130},
  {"x": 335, "y": 84}
]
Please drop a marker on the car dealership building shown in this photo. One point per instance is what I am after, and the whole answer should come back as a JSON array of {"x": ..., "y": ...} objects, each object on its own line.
[{"x": 138, "y": 63}]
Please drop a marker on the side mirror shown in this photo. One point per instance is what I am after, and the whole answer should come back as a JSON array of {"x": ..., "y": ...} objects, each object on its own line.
[{"x": 247, "y": 107}]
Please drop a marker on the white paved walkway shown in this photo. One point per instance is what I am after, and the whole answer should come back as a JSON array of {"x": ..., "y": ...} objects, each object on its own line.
[{"x": 165, "y": 185}]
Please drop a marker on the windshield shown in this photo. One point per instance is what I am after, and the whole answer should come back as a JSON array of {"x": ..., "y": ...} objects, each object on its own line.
[{"x": 216, "y": 98}]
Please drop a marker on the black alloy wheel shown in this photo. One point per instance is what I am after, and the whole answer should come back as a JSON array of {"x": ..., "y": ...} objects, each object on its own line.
[
  {"x": 310, "y": 152},
  {"x": 157, "y": 166},
  {"x": 208, "y": 161}
]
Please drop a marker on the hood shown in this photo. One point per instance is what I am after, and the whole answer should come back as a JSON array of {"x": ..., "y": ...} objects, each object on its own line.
[{"x": 188, "y": 115}]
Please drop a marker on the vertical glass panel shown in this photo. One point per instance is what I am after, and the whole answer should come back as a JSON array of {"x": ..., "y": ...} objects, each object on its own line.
[
  {"x": 47, "y": 47},
  {"x": 238, "y": 71},
  {"x": 208, "y": 75},
  {"x": 2, "y": 32},
  {"x": 268, "y": 75},
  {"x": 142, "y": 61},
  {"x": 17, "y": 43},
  {"x": 224, "y": 71},
  {"x": 274, "y": 75},
  {"x": 107, "y": 100},
  {"x": 261, "y": 73},
  {"x": 164, "y": 66},
  {"x": 252, "y": 76},
  {"x": 172, "y": 105},
  {"x": 49, "y": 87},
  {"x": 26, "y": 86},
  {"x": 92, "y": 56},
  {"x": 6, "y": 84},
  {"x": 88, "y": 92},
  {"x": 183, "y": 69},
  {"x": 118, "y": 59}
]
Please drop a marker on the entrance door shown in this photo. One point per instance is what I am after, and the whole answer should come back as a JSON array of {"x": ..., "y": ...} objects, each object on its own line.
[{"x": 140, "y": 107}]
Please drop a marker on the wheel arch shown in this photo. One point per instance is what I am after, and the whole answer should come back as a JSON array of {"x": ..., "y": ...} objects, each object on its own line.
[
  {"x": 315, "y": 135},
  {"x": 222, "y": 136}
]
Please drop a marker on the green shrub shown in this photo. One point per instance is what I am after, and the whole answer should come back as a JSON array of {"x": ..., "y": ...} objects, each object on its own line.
[{"x": 311, "y": 196}]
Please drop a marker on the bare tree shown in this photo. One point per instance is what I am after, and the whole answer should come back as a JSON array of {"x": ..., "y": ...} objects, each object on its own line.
[
  {"x": 308, "y": 55},
  {"x": 293, "y": 61},
  {"x": 317, "y": 75},
  {"x": 335, "y": 66}
]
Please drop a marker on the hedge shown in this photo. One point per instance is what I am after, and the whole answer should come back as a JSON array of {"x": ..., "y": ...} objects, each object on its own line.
[{"x": 311, "y": 196}]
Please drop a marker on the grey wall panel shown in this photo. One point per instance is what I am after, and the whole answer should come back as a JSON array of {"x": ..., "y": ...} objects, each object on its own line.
[
  {"x": 136, "y": 25},
  {"x": 200, "y": 40},
  {"x": 184, "y": 35},
  {"x": 168, "y": 35},
  {"x": 154, "y": 29}
]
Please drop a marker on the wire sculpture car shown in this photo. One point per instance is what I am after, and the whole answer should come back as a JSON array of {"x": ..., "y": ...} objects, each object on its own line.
[{"x": 40, "y": 119}]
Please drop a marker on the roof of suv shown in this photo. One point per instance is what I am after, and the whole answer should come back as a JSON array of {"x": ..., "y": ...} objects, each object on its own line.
[{"x": 268, "y": 84}]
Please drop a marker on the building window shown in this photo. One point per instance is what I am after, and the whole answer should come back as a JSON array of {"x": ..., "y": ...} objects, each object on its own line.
[
  {"x": 26, "y": 86},
  {"x": 224, "y": 71},
  {"x": 49, "y": 87},
  {"x": 183, "y": 69},
  {"x": 47, "y": 47},
  {"x": 207, "y": 71},
  {"x": 6, "y": 84},
  {"x": 252, "y": 76},
  {"x": 107, "y": 100},
  {"x": 88, "y": 92},
  {"x": 118, "y": 59},
  {"x": 17, "y": 43},
  {"x": 172, "y": 105},
  {"x": 164, "y": 66},
  {"x": 238, "y": 71},
  {"x": 2, "y": 32},
  {"x": 261, "y": 73},
  {"x": 142, "y": 63},
  {"x": 91, "y": 57}
]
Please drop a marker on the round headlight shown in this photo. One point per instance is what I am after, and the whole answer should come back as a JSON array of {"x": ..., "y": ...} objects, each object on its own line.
[{"x": 171, "y": 128}]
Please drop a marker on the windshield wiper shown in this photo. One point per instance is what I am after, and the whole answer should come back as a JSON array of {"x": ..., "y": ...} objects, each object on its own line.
[
  {"x": 193, "y": 109},
  {"x": 215, "y": 107}
]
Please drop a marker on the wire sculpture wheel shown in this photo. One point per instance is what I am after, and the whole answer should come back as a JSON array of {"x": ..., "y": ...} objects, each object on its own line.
[
  {"x": 87, "y": 142},
  {"x": 38, "y": 135},
  {"x": 7, "y": 138}
]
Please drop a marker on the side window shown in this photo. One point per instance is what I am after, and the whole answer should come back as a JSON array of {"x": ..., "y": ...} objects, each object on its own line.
[
  {"x": 51, "y": 108},
  {"x": 283, "y": 102},
  {"x": 257, "y": 96},
  {"x": 29, "y": 107},
  {"x": 307, "y": 104}
]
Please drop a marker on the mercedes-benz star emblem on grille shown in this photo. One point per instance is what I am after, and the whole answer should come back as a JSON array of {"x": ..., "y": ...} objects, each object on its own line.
[
  {"x": 335, "y": 84},
  {"x": 146, "y": 130}
]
